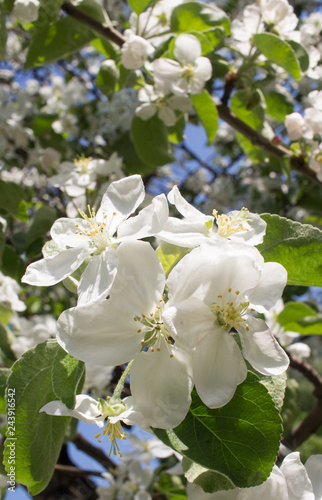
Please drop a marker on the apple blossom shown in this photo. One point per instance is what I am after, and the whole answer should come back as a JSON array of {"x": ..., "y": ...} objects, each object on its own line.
[
  {"x": 195, "y": 227},
  {"x": 129, "y": 325},
  {"x": 9, "y": 290},
  {"x": 135, "y": 50},
  {"x": 75, "y": 240},
  {"x": 213, "y": 291},
  {"x": 189, "y": 74},
  {"x": 26, "y": 11},
  {"x": 316, "y": 159},
  {"x": 294, "y": 124}
]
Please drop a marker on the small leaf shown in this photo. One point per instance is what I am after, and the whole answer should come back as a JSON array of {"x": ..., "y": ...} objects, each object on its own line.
[
  {"x": 279, "y": 104},
  {"x": 278, "y": 52},
  {"x": 250, "y": 107},
  {"x": 3, "y": 33},
  {"x": 197, "y": 16},
  {"x": 36, "y": 437},
  {"x": 139, "y": 6},
  {"x": 298, "y": 247},
  {"x": 150, "y": 139},
  {"x": 107, "y": 77},
  {"x": 169, "y": 255},
  {"x": 300, "y": 317},
  {"x": 240, "y": 441},
  {"x": 11, "y": 200},
  {"x": 301, "y": 55},
  {"x": 67, "y": 371},
  {"x": 42, "y": 221},
  {"x": 207, "y": 111}
]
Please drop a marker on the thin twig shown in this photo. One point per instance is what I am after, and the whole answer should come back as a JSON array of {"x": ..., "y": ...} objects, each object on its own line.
[{"x": 93, "y": 451}]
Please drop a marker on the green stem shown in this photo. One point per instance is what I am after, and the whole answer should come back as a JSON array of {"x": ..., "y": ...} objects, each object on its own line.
[{"x": 120, "y": 385}]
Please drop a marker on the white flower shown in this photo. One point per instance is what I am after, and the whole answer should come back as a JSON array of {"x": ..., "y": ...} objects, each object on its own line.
[
  {"x": 25, "y": 10},
  {"x": 294, "y": 124},
  {"x": 196, "y": 228},
  {"x": 32, "y": 331},
  {"x": 212, "y": 290},
  {"x": 292, "y": 481},
  {"x": 164, "y": 106},
  {"x": 9, "y": 290},
  {"x": 135, "y": 50},
  {"x": 105, "y": 414},
  {"x": 74, "y": 240},
  {"x": 75, "y": 178},
  {"x": 129, "y": 325},
  {"x": 189, "y": 74},
  {"x": 274, "y": 11},
  {"x": 316, "y": 159},
  {"x": 147, "y": 450}
]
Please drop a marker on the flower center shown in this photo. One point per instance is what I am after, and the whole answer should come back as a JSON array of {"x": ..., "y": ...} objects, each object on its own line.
[
  {"x": 188, "y": 71},
  {"x": 99, "y": 234},
  {"x": 228, "y": 225},
  {"x": 115, "y": 430},
  {"x": 82, "y": 163},
  {"x": 155, "y": 335},
  {"x": 228, "y": 311}
]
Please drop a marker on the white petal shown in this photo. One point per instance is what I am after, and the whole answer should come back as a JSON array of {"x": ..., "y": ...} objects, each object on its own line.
[
  {"x": 166, "y": 69},
  {"x": 203, "y": 69},
  {"x": 313, "y": 467},
  {"x": 187, "y": 48},
  {"x": 218, "y": 367},
  {"x": 299, "y": 349},
  {"x": 52, "y": 270},
  {"x": 185, "y": 209},
  {"x": 98, "y": 277},
  {"x": 86, "y": 410},
  {"x": 161, "y": 386},
  {"x": 63, "y": 232},
  {"x": 122, "y": 197},
  {"x": 273, "y": 488},
  {"x": 254, "y": 229},
  {"x": 183, "y": 233},
  {"x": 146, "y": 111},
  {"x": 99, "y": 333},
  {"x": 297, "y": 479},
  {"x": 168, "y": 116},
  {"x": 269, "y": 290},
  {"x": 149, "y": 222},
  {"x": 188, "y": 320},
  {"x": 261, "y": 349}
]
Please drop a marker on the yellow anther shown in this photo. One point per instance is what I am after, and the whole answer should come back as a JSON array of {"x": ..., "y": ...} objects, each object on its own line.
[
  {"x": 114, "y": 213},
  {"x": 237, "y": 292},
  {"x": 151, "y": 314},
  {"x": 229, "y": 289},
  {"x": 139, "y": 331}
]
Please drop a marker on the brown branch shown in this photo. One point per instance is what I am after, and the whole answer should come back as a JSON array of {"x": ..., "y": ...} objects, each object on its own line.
[
  {"x": 75, "y": 471},
  {"x": 93, "y": 451},
  {"x": 314, "y": 419},
  {"x": 256, "y": 138},
  {"x": 298, "y": 163},
  {"x": 101, "y": 28}
]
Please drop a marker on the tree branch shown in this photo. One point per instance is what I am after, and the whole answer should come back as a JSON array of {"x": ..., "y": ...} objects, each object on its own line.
[
  {"x": 93, "y": 451},
  {"x": 101, "y": 28},
  {"x": 314, "y": 419},
  {"x": 298, "y": 163}
]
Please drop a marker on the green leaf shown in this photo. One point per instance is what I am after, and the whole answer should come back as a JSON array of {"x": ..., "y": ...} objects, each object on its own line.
[
  {"x": 4, "y": 374},
  {"x": 3, "y": 32},
  {"x": 279, "y": 104},
  {"x": 63, "y": 37},
  {"x": 207, "y": 111},
  {"x": 301, "y": 55},
  {"x": 298, "y": 247},
  {"x": 107, "y": 77},
  {"x": 300, "y": 317},
  {"x": 42, "y": 221},
  {"x": 276, "y": 385},
  {"x": 176, "y": 133},
  {"x": 240, "y": 441},
  {"x": 36, "y": 437},
  {"x": 197, "y": 16},
  {"x": 278, "y": 52},
  {"x": 12, "y": 264},
  {"x": 105, "y": 47},
  {"x": 139, "y": 6},
  {"x": 150, "y": 139},
  {"x": 250, "y": 107},
  {"x": 66, "y": 375},
  {"x": 169, "y": 255},
  {"x": 11, "y": 200},
  {"x": 6, "y": 338},
  {"x": 133, "y": 164},
  {"x": 208, "y": 480}
]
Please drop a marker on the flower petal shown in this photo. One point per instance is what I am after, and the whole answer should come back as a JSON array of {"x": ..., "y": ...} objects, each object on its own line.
[
  {"x": 161, "y": 386},
  {"x": 187, "y": 48},
  {"x": 185, "y": 208},
  {"x": 86, "y": 410},
  {"x": 98, "y": 277},
  {"x": 52, "y": 270},
  {"x": 297, "y": 479},
  {"x": 218, "y": 367},
  {"x": 261, "y": 349},
  {"x": 313, "y": 467},
  {"x": 122, "y": 197},
  {"x": 270, "y": 288},
  {"x": 150, "y": 220}
]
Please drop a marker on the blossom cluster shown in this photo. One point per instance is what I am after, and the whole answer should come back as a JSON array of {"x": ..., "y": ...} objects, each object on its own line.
[{"x": 184, "y": 327}]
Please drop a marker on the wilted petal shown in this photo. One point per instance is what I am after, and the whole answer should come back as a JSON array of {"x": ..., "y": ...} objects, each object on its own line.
[
  {"x": 261, "y": 349},
  {"x": 161, "y": 386},
  {"x": 218, "y": 367},
  {"x": 52, "y": 270}
]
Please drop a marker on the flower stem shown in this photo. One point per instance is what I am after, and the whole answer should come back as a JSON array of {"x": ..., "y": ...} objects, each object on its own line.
[{"x": 120, "y": 385}]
